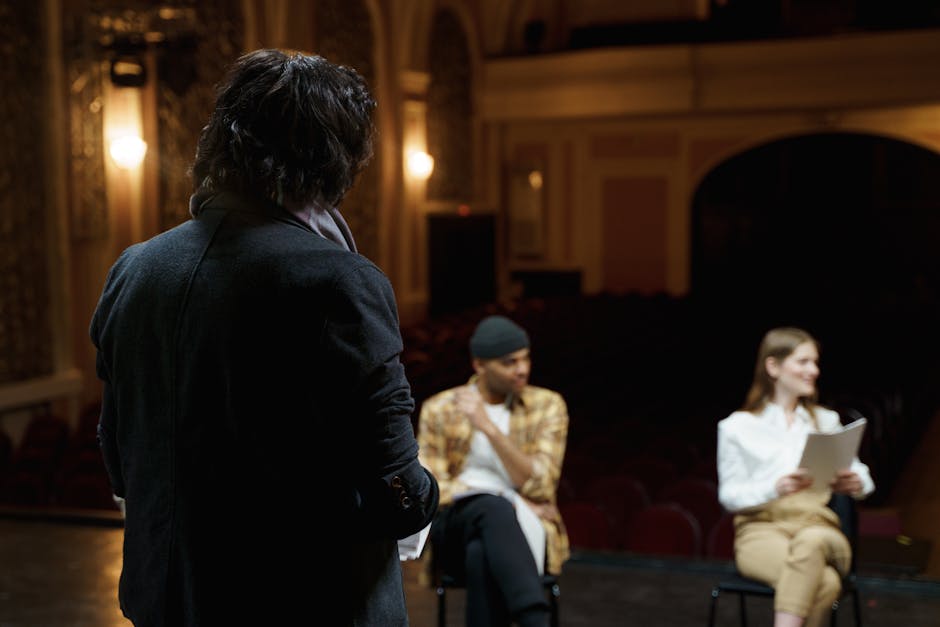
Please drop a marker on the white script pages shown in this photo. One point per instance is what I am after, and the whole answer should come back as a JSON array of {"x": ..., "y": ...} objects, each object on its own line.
[{"x": 827, "y": 453}]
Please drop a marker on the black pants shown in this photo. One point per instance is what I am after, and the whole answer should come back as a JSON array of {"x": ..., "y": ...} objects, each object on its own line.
[{"x": 478, "y": 541}]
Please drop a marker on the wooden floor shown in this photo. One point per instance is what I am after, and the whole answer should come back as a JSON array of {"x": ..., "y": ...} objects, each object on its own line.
[{"x": 54, "y": 574}]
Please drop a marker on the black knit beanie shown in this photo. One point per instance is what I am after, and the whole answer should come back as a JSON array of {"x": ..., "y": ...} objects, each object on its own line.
[{"x": 497, "y": 336}]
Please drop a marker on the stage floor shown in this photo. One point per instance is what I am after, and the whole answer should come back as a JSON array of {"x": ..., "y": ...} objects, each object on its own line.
[{"x": 55, "y": 574}]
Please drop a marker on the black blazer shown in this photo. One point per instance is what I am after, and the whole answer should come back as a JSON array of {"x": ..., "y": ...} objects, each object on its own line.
[{"x": 257, "y": 420}]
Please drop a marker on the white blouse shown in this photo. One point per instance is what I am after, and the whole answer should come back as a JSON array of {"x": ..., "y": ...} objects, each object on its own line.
[{"x": 755, "y": 450}]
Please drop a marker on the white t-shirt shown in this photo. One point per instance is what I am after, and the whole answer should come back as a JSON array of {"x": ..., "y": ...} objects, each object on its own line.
[{"x": 483, "y": 469}]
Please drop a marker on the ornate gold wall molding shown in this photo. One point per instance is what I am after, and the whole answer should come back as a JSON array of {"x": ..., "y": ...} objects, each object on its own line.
[
  {"x": 193, "y": 42},
  {"x": 25, "y": 343},
  {"x": 450, "y": 111},
  {"x": 188, "y": 74},
  {"x": 344, "y": 34}
]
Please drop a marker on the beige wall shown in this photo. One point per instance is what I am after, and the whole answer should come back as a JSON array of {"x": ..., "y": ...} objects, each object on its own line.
[{"x": 627, "y": 135}]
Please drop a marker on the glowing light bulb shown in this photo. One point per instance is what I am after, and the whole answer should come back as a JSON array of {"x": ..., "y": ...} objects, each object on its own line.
[
  {"x": 535, "y": 179},
  {"x": 420, "y": 164},
  {"x": 128, "y": 151}
]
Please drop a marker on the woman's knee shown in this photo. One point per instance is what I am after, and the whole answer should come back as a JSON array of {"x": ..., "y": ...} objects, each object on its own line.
[
  {"x": 825, "y": 543},
  {"x": 830, "y": 587}
]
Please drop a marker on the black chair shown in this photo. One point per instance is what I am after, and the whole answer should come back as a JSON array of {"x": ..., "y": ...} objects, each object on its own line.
[
  {"x": 844, "y": 506},
  {"x": 445, "y": 582}
]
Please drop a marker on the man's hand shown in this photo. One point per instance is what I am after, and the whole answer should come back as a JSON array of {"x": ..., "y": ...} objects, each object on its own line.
[
  {"x": 846, "y": 482},
  {"x": 546, "y": 511},
  {"x": 470, "y": 406},
  {"x": 797, "y": 480}
]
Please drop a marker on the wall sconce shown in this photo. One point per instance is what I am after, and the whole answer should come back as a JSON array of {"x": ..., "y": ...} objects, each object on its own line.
[
  {"x": 535, "y": 179},
  {"x": 128, "y": 71},
  {"x": 420, "y": 164},
  {"x": 127, "y": 151}
]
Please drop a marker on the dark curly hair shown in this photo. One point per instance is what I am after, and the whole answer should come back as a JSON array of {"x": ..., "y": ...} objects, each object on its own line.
[{"x": 287, "y": 126}]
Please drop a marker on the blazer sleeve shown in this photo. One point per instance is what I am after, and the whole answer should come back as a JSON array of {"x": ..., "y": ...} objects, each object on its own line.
[
  {"x": 107, "y": 441},
  {"x": 108, "y": 420},
  {"x": 398, "y": 497}
]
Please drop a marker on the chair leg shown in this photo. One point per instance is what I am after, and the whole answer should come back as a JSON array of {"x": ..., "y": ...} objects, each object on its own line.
[
  {"x": 857, "y": 603},
  {"x": 441, "y": 606},
  {"x": 554, "y": 595},
  {"x": 742, "y": 604},
  {"x": 714, "y": 606},
  {"x": 834, "y": 615}
]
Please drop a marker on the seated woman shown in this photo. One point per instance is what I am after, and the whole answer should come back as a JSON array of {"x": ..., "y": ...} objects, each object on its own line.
[{"x": 785, "y": 535}]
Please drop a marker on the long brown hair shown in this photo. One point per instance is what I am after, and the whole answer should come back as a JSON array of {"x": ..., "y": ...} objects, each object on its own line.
[{"x": 778, "y": 343}]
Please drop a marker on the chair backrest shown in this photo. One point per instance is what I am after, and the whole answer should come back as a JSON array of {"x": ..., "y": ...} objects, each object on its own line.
[
  {"x": 587, "y": 525},
  {"x": 579, "y": 468},
  {"x": 620, "y": 498},
  {"x": 845, "y": 507},
  {"x": 602, "y": 447},
  {"x": 719, "y": 543},
  {"x": 664, "y": 529},
  {"x": 697, "y": 496},
  {"x": 653, "y": 472}
]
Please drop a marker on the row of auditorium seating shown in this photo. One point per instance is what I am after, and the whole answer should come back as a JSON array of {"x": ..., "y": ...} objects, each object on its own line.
[
  {"x": 644, "y": 387},
  {"x": 54, "y": 466},
  {"x": 624, "y": 503},
  {"x": 646, "y": 380},
  {"x": 660, "y": 529},
  {"x": 638, "y": 370}
]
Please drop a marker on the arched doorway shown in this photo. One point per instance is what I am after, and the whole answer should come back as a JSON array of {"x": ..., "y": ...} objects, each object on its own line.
[
  {"x": 837, "y": 233},
  {"x": 831, "y": 231}
]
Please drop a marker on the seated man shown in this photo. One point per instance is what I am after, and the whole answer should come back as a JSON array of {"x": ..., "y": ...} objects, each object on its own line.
[{"x": 495, "y": 446}]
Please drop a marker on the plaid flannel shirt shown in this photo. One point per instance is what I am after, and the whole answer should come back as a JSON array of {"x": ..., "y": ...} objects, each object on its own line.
[{"x": 538, "y": 425}]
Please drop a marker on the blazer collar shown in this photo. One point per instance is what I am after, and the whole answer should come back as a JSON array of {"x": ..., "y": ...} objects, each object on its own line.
[{"x": 327, "y": 223}]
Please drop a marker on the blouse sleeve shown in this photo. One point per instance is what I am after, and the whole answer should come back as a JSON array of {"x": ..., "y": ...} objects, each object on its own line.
[
  {"x": 737, "y": 488},
  {"x": 829, "y": 421}
]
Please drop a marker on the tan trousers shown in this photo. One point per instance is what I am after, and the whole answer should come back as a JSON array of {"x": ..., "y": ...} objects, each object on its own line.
[{"x": 795, "y": 545}]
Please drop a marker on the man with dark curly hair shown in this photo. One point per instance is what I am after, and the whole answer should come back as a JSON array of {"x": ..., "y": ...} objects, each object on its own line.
[{"x": 255, "y": 415}]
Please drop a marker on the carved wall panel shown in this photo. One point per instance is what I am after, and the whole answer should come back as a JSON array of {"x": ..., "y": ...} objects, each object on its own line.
[
  {"x": 450, "y": 111},
  {"x": 192, "y": 42},
  {"x": 344, "y": 35},
  {"x": 188, "y": 74},
  {"x": 86, "y": 70},
  {"x": 25, "y": 338}
]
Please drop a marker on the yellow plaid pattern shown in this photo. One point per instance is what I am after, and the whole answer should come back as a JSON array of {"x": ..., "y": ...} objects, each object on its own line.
[{"x": 538, "y": 424}]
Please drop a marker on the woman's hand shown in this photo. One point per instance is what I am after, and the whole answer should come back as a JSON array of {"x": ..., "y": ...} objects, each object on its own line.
[
  {"x": 797, "y": 480},
  {"x": 846, "y": 482}
]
